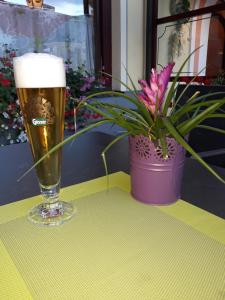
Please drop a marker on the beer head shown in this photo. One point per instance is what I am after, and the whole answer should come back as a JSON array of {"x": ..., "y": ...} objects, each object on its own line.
[{"x": 39, "y": 70}]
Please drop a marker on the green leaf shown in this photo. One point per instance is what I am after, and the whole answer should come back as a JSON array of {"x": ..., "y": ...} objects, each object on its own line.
[
  {"x": 99, "y": 111},
  {"x": 140, "y": 106},
  {"x": 173, "y": 131},
  {"x": 196, "y": 112},
  {"x": 170, "y": 94},
  {"x": 206, "y": 96},
  {"x": 219, "y": 130},
  {"x": 132, "y": 83},
  {"x": 127, "y": 122},
  {"x": 70, "y": 138},
  {"x": 129, "y": 111},
  {"x": 118, "y": 80},
  {"x": 180, "y": 106},
  {"x": 189, "y": 107},
  {"x": 184, "y": 129},
  {"x": 216, "y": 116},
  {"x": 117, "y": 139},
  {"x": 186, "y": 87}
]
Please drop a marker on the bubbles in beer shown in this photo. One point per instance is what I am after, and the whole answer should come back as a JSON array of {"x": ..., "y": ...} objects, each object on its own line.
[{"x": 39, "y": 70}]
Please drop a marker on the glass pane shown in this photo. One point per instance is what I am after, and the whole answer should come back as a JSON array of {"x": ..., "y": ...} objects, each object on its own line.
[
  {"x": 60, "y": 28},
  {"x": 69, "y": 7},
  {"x": 54, "y": 29},
  {"x": 172, "y": 7},
  {"x": 176, "y": 41}
]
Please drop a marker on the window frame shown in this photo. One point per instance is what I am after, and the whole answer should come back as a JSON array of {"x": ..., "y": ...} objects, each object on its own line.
[
  {"x": 153, "y": 21},
  {"x": 102, "y": 34}
]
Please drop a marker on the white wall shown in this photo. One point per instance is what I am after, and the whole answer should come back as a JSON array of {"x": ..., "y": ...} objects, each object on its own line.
[
  {"x": 119, "y": 42},
  {"x": 136, "y": 39},
  {"x": 128, "y": 40}
]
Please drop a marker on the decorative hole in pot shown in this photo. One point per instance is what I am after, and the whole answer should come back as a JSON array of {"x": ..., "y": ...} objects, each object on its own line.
[{"x": 155, "y": 180}]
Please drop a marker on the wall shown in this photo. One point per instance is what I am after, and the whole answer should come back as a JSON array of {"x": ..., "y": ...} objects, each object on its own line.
[
  {"x": 128, "y": 40},
  {"x": 136, "y": 39}
]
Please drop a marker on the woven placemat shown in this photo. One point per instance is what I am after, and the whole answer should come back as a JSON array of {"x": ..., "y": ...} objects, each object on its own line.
[{"x": 116, "y": 248}]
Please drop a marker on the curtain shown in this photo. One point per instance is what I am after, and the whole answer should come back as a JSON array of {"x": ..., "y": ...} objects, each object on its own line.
[{"x": 44, "y": 30}]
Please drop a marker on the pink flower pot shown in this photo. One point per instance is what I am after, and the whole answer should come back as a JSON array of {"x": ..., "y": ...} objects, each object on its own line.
[{"x": 153, "y": 179}]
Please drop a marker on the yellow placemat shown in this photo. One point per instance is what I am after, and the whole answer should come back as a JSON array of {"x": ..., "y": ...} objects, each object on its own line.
[{"x": 115, "y": 248}]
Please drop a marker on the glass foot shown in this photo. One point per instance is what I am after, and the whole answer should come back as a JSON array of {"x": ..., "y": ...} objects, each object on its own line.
[{"x": 51, "y": 214}]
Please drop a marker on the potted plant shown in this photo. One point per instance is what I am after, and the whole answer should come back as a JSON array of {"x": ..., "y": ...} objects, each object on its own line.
[{"x": 158, "y": 129}]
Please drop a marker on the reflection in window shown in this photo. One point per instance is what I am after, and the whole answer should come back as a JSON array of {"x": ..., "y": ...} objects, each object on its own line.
[
  {"x": 174, "y": 7},
  {"x": 54, "y": 29},
  {"x": 68, "y": 7},
  {"x": 176, "y": 40}
]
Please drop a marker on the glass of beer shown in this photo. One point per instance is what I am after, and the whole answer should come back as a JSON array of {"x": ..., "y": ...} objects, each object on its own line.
[{"x": 41, "y": 84}]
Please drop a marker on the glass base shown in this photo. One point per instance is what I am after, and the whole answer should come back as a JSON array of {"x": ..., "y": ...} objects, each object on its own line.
[{"x": 51, "y": 214}]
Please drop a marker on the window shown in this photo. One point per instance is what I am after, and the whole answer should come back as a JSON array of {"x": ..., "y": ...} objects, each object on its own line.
[
  {"x": 60, "y": 28},
  {"x": 63, "y": 29},
  {"x": 101, "y": 12},
  {"x": 69, "y": 7},
  {"x": 175, "y": 28}
]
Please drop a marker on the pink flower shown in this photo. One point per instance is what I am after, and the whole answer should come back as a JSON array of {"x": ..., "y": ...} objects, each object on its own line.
[
  {"x": 85, "y": 87},
  {"x": 87, "y": 83},
  {"x": 90, "y": 79},
  {"x": 152, "y": 94}
]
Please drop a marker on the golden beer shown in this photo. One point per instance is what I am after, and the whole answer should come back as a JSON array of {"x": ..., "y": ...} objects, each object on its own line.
[
  {"x": 43, "y": 111},
  {"x": 41, "y": 82}
]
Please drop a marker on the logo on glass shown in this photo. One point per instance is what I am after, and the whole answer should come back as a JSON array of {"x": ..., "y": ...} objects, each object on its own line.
[{"x": 39, "y": 121}]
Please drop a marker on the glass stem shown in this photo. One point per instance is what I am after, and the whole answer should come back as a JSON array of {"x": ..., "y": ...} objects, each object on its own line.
[{"x": 50, "y": 194}]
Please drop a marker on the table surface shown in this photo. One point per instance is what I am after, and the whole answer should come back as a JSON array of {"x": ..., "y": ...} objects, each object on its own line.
[
  {"x": 82, "y": 161},
  {"x": 114, "y": 248}
]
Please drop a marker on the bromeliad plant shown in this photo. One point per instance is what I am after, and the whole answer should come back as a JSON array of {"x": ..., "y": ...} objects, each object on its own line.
[{"x": 155, "y": 114}]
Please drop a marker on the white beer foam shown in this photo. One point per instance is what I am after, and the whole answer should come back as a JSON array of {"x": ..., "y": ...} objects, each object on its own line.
[{"x": 39, "y": 70}]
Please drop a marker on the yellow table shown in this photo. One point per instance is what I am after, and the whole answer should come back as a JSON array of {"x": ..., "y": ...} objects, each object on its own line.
[{"x": 115, "y": 248}]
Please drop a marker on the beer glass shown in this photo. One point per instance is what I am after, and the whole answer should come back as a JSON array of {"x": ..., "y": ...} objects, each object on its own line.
[{"x": 40, "y": 82}]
